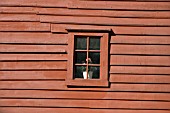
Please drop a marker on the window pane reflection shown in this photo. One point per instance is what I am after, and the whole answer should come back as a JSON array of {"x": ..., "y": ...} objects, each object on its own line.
[
  {"x": 95, "y": 57},
  {"x": 81, "y": 43},
  {"x": 94, "y": 72},
  {"x": 94, "y": 43},
  {"x": 80, "y": 57}
]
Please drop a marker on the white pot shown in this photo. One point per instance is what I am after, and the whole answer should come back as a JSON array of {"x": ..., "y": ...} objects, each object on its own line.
[{"x": 90, "y": 74}]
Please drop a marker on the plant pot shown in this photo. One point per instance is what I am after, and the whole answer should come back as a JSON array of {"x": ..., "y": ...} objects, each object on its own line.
[{"x": 90, "y": 74}]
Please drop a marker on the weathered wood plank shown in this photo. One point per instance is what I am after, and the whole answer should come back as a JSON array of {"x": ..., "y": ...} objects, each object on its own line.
[
  {"x": 33, "y": 48},
  {"x": 124, "y": 5},
  {"x": 140, "y": 39},
  {"x": 31, "y": 37},
  {"x": 42, "y": 3},
  {"x": 139, "y": 70},
  {"x": 61, "y": 85},
  {"x": 140, "y": 49},
  {"x": 104, "y": 13},
  {"x": 24, "y": 26},
  {"x": 32, "y": 65},
  {"x": 17, "y": 3},
  {"x": 85, "y": 103},
  {"x": 128, "y": 78},
  {"x": 73, "y": 110},
  {"x": 18, "y": 10},
  {"x": 60, "y": 75},
  {"x": 140, "y": 60},
  {"x": 19, "y": 18},
  {"x": 32, "y": 75},
  {"x": 54, "y": 3},
  {"x": 84, "y": 95},
  {"x": 118, "y": 30},
  {"x": 104, "y": 20},
  {"x": 32, "y": 57}
]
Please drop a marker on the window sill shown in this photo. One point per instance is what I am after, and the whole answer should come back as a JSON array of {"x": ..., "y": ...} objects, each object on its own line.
[{"x": 88, "y": 82}]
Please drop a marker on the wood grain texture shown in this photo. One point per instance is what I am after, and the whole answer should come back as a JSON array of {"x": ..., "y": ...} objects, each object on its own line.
[
  {"x": 61, "y": 75},
  {"x": 18, "y": 10},
  {"x": 61, "y": 85},
  {"x": 17, "y": 3},
  {"x": 140, "y": 49},
  {"x": 24, "y": 26},
  {"x": 33, "y": 57},
  {"x": 140, "y": 60},
  {"x": 104, "y": 13},
  {"x": 105, "y": 21},
  {"x": 73, "y": 110},
  {"x": 33, "y": 48},
  {"x": 32, "y": 65},
  {"x": 32, "y": 75},
  {"x": 118, "y": 30},
  {"x": 139, "y": 70},
  {"x": 33, "y": 38},
  {"x": 46, "y": 94},
  {"x": 85, "y": 103},
  {"x": 140, "y": 40},
  {"x": 33, "y": 3},
  {"x": 129, "y": 78},
  {"x": 124, "y": 5},
  {"x": 19, "y": 18}
]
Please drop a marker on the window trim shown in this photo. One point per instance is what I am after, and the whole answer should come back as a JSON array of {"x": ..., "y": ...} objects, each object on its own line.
[{"x": 103, "y": 80}]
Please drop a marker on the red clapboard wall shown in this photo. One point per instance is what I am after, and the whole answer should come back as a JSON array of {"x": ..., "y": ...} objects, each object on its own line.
[{"x": 33, "y": 56}]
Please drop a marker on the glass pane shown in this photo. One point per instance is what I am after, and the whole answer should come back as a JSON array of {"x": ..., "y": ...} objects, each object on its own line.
[
  {"x": 79, "y": 70},
  {"x": 95, "y": 57},
  {"x": 81, "y": 43},
  {"x": 94, "y": 43},
  {"x": 80, "y": 57},
  {"x": 94, "y": 72}
]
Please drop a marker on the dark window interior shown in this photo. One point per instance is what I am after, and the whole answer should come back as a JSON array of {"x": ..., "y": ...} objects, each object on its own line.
[{"x": 87, "y": 57}]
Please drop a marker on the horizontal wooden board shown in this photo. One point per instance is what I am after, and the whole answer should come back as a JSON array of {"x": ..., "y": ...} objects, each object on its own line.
[
  {"x": 61, "y": 75},
  {"x": 85, "y": 103},
  {"x": 104, "y": 13},
  {"x": 33, "y": 38},
  {"x": 18, "y": 10},
  {"x": 61, "y": 85},
  {"x": 84, "y": 95},
  {"x": 33, "y": 48},
  {"x": 24, "y": 26},
  {"x": 32, "y": 65},
  {"x": 140, "y": 39},
  {"x": 121, "y": 5},
  {"x": 32, "y": 57},
  {"x": 73, "y": 110},
  {"x": 140, "y": 49},
  {"x": 104, "y": 20},
  {"x": 118, "y": 30},
  {"x": 140, "y": 60},
  {"x": 19, "y": 17},
  {"x": 139, "y": 70},
  {"x": 32, "y": 75},
  {"x": 54, "y": 3},
  {"x": 42, "y": 3},
  {"x": 17, "y": 3},
  {"x": 129, "y": 78}
]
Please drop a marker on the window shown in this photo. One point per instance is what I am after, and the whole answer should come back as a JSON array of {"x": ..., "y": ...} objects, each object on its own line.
[{"x": 87, "y": 59}]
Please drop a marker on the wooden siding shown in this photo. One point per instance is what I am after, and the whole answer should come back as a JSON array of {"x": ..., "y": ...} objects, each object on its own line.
[{"x": 33, "y": 56}]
